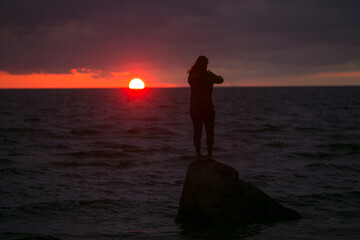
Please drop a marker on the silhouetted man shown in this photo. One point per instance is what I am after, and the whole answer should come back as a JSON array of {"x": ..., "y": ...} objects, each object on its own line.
[{"x": 202, "y": 109}]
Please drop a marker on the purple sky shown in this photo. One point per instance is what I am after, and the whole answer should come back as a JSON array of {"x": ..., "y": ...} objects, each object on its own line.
[{"x": 251, "y": 42}]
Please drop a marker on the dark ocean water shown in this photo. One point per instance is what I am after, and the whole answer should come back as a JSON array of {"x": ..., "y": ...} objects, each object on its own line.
[{"x": 110, "y": 163}]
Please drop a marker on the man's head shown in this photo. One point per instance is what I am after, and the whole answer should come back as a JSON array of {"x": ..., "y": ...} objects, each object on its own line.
[
  {"x": 202, "y": 62},
  {"x": 200, "y": 65}
]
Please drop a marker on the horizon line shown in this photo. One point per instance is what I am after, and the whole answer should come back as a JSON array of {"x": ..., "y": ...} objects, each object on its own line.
[{"x": 278, "y": 86}]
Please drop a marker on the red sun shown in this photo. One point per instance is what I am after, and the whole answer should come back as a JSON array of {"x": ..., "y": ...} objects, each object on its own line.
[{"x": 136, "y": 83}]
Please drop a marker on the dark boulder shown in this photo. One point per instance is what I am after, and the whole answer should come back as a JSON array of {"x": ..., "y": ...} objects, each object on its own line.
[{"x": 213, "y": 193}]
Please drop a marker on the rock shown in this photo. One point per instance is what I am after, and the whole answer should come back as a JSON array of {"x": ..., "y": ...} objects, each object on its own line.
[{"x": 213, "y": 193}]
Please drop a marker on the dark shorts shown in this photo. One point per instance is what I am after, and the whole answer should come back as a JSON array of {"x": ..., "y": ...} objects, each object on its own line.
[{"x": 203, "y": 118}]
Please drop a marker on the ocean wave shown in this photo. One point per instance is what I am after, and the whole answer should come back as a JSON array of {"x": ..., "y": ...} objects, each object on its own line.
[
  {"x": 332, "y": 166},
  {"x": 26, "y": 236},
  {"x": 187, "y": 157},
  {"x": 61, "y": 146},
  {"x": 355, "y": 215},
  {"x": 265, "y": 128},
  {"x": 20, "y": 171},
  {"x": 68, "y": 205},
  {"x": 310, "y": 129},
  {"x": 7, "y": 141},
  {"x": 85, "y": 132},
  {"x": 21, "y": 130},
  {"x": 334, "y": 147},
  {"x": 6, "y": 161},
  {"x": 150, "y": 150},
  {"x": 355, "y": 194},
  {"x": 103, "y": 126},
  {"x": 39, "y": 208},
  {"x": 112, "y": 145},
  {"x": 116, "y": 164},
  {"x": 133, "y": 131},
  {"x": 32, "y": 119},
  {"x": 339, "y": 197},
  {"x": 99, "y": 203},
  {"x": 316, "y": 155},
  {"x": 277, "y": 145},
  {"x": 121, "y": 152},
  {"x": 95, "y": 154},
  {"x": 16, "y": 153},
  {"x": 13, "y": 171},
  {"x": 150, "y": 130},
  {"x": 316, "y": 197}
]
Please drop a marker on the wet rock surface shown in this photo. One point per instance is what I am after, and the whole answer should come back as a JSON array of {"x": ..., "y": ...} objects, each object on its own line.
[{"x": 213, "y": 193}]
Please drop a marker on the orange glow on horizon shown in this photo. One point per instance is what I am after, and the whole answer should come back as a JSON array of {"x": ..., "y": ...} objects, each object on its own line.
[
  {"x": 76, "y": 78},
  {"x": 81, "y": 78},
  {"x": 338, "y": 74},
  {"x": 159, "y": 78},
  {"x": 136, "y": 83}
]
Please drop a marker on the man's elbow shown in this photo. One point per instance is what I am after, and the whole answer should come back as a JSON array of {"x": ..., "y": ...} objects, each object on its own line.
[{"x": 220, "y": 80}]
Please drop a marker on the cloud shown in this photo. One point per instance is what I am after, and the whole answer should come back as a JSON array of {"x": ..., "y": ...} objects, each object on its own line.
[
  {"x": 355, "y": 74},
  {"x": 75, "y": 78},
  {"x": 250, "y": 39}
]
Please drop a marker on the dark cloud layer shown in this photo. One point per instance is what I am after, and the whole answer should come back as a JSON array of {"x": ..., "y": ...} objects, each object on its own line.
[{"x": 252, "y": 38}]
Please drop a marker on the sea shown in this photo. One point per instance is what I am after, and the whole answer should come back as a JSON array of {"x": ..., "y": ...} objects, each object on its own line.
[{"x": 106, "y": 164}]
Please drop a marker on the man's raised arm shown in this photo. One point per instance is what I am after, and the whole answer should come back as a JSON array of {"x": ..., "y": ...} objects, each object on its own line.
[{"x": 215, "y": 78}]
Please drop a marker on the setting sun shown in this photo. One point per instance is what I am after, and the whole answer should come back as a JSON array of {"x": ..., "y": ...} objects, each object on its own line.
[{"x": 136, "y": 83}]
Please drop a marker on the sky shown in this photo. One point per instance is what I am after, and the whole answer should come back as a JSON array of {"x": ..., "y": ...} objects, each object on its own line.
[{"x": 95, "y": 44}]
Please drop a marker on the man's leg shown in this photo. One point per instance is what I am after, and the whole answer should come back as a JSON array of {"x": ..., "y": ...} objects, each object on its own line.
[
  {"x": 210, "y": 145},
  {"x": 209, "y": 127},
  {"x": 197, "y": 127}
]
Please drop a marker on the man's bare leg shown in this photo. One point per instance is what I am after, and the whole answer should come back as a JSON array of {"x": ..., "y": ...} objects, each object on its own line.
[
  {"x": 210, "y": 146},
  {"x": 197, "y": 144}
]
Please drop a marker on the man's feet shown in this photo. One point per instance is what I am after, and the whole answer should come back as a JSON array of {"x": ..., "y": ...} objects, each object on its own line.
[{"x": 210, "y": 158}]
